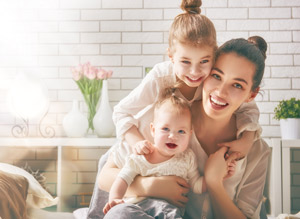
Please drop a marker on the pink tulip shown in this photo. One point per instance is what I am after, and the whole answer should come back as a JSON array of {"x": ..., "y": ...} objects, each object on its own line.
[
  {"x": 77, "y": 73},
  {"x": 103, "y": 74},
  {"x": 89, "y": 71}
]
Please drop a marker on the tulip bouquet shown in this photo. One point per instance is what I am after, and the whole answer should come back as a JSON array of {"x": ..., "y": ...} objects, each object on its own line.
[{"x": 89, "y": 80}]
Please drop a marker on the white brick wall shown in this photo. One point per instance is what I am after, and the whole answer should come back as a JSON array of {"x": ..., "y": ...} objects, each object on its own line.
[{"x": 48, "y": 37}]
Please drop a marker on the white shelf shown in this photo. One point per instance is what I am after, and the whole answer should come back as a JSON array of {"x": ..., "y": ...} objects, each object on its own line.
[
  {"x": 63, "y": 173},
  {"x": 92, "y": 142}
]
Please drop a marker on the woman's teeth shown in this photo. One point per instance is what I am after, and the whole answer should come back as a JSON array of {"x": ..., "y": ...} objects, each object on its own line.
[{"x": 217, "y": 102}]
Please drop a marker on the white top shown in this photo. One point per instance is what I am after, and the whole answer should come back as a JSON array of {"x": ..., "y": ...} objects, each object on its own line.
[{"x": 245, "y": 187}]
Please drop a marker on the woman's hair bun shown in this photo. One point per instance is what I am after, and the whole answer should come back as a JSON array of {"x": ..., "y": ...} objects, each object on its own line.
[
  {"x": 191, "y": 6},
  {"x": 260, "y": 43}
]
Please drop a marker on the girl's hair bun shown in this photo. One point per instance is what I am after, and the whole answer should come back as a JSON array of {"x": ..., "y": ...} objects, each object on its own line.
[
  {"x": 260, "y": 43},
  {"x": 191, "y": 6}
]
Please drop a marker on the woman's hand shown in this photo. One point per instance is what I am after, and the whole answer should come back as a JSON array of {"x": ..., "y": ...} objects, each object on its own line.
[
  {"x": 174, "y": 189},
  {"x": 217, "y": 166}
]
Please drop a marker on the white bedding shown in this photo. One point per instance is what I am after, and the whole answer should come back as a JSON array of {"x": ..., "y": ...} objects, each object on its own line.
[{"x": 39, "y": 213}]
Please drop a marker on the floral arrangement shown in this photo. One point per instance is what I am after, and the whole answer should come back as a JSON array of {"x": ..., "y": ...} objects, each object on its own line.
[{"x": 89, "y": 80}]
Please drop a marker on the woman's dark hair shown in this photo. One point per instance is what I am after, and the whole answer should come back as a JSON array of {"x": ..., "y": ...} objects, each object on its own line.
[{"x": 254, "y": 49}]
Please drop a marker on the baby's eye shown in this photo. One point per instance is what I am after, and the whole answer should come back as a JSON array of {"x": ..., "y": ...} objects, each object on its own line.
[
  {"x": 204, "y": 61},
  {"x": 238, "y": 86},
  {"x": 165, "y": 129},
  {"x": 181, "y": 132},
  {"x": 216, "y": 76}
]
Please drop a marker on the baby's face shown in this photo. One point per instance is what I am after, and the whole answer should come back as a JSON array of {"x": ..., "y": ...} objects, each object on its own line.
[{"x": 171, "y": 130}]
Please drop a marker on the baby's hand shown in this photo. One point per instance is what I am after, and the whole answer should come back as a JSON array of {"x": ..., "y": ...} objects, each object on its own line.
[
  {"x": 111, "y": 204},
  {"x": 143, "y": 147},
  {"x": 231, "y": 164}
]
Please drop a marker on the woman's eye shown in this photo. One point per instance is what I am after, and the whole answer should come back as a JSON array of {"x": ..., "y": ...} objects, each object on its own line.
[
  {"x": 204, "y": 61},
  {"x": 185, "y": 62},
  {"x": 216, "y": 76},
  {"x": 181, "y": 132},
  {"x": 238, "y": 86}
]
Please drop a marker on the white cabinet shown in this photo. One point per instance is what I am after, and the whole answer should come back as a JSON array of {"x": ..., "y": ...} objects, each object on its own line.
[
  {"x": 280, "y": 182},
  {"x": 62, "y": 144}
]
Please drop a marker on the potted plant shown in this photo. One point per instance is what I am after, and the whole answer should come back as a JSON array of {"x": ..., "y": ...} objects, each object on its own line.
[{"x": 288, "y": 114}]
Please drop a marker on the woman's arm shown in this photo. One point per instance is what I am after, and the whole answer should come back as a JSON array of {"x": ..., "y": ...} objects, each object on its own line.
[
  {"x": 171, "y": 188},
  {"x": 216, "y": 168}
]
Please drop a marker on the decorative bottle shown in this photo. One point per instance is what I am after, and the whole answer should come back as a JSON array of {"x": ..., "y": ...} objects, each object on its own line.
[
  {"x": 75, "y": 124},
  {"x": 103, "y": 123}
]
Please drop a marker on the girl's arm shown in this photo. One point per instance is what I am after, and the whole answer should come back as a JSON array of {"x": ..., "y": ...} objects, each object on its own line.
[
  {"x": 216, "y": 168},
  {"x": 249, "y": 130},
  {"x": 171, "y": 188},
  {"x": 143, "y": 96}
]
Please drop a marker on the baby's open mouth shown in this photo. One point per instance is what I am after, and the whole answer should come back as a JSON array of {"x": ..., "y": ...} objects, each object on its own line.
[{"x": 171, "y": 145}]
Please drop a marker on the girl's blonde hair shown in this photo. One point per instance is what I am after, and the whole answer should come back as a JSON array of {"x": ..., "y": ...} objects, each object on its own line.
[{"x": 191, "y": 27}]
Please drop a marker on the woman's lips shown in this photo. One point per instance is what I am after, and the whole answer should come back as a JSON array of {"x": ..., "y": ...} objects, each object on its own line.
[
  {"x": 171, "y": 145},
  {"x": 217, "y": 104}
]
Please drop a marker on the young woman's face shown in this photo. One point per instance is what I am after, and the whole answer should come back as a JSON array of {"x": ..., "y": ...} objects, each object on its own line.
[
  {"x": 228, "y": 85},
  {"x": 171, "y": 131},
  {"x": 192, "y": 64}
]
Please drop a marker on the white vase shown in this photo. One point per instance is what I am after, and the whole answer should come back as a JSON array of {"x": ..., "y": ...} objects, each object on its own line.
[
  {"x": 75, "y": 123},
  {"x": 290, "y": 128},
  {"x": 103, "y": 123}
]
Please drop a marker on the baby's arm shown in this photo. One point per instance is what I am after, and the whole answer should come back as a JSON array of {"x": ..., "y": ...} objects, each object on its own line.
[{"x": 116, "y": 194}]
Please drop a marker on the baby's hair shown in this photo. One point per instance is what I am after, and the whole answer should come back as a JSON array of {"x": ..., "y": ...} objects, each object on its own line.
[
  {"x": 179, "y": 104},
  {"x": 254, "y": 49},
  {"x": 191, "y": 27}
]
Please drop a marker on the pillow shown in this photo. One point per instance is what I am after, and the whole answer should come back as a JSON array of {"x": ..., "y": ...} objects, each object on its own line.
[{"x": 37, "y": 196}]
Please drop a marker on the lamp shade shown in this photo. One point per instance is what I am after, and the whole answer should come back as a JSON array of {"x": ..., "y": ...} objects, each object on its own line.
[{"x": 28, "y": 97}]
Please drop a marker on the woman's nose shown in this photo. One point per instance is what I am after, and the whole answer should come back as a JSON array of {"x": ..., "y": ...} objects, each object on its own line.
[{"x": 222, "y": 90}]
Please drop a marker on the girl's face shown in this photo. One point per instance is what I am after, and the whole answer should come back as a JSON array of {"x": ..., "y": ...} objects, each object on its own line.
[
  {"x": 192, "y": 64},
  {"x": 171, "y": 131},
  {"x": 228, "y": 86}
]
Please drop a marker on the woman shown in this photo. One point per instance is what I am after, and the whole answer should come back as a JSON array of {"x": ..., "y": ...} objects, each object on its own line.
[{"x": 234, "y": 80}]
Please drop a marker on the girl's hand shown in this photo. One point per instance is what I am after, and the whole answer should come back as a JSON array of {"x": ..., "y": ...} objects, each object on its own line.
[
  {"x": 172, "y": 188},
  {"x": 242, "y": 145},
  {"x": 143, "y": 147},
  {"x": 111, "y": 204},
  {"x": 216, "y": 166}
]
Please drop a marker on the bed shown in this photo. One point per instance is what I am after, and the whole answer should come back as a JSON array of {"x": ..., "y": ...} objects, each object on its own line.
[{"x": 22, "y": 196}]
